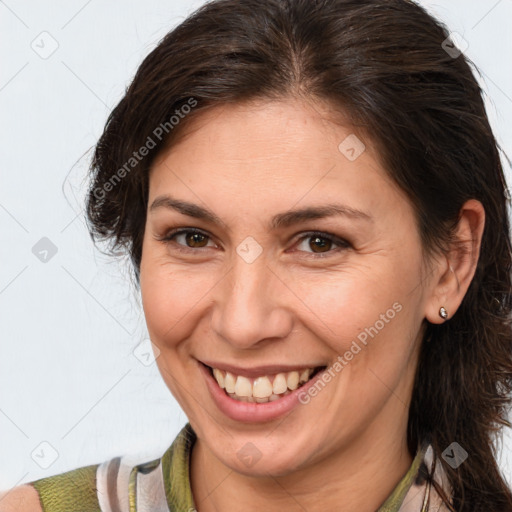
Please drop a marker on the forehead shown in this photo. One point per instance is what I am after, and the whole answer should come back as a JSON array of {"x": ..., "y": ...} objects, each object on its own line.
[
  {"x": 289, "y": 134},
  {"x": 271, "y": 153}
]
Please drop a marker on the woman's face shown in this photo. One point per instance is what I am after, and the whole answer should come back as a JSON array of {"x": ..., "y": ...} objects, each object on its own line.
[{"x": 305, "y": 255}]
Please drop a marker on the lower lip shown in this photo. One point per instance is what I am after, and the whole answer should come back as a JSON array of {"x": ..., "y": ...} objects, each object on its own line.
[{"x": 249, "y": 412}]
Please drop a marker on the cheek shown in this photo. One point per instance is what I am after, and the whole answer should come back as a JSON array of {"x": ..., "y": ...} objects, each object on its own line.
[
  {"x": 350, "y": 304},
  {"x": 368, "y": 317},
  {"x": 172, "y": 297}
]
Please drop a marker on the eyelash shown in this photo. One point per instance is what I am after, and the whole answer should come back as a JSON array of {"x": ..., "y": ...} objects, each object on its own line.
[{"x": 169, "y": 237}]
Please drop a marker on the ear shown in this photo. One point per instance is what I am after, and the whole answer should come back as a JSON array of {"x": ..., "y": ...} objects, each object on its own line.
[{"x": 458, "y": 266}]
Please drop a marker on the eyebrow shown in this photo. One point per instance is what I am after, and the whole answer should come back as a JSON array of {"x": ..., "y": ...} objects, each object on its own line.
[{"x": 281, "y": 220}]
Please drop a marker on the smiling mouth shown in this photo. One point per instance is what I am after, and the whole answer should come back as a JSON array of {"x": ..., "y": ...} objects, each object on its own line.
[{"x": 265, "y": 388}]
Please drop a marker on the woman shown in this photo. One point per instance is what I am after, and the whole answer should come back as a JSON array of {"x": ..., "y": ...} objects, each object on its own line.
[{"x": 316, "y": 212}]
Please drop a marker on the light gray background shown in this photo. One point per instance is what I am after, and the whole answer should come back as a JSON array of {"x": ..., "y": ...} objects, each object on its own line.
[{"x": 68, "y": 377}]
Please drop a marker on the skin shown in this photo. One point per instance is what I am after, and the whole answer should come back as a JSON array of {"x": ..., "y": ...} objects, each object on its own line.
[
  {"x": 20, "y": 499},
  {"x": 246, "y": 163}
]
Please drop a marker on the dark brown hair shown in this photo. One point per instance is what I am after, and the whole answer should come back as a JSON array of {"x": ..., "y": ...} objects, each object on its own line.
[{"x": 383, "y": 63}]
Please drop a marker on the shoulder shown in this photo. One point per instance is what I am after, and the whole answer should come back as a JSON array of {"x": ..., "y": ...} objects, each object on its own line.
[
  {"x": 116, "y": 484},
  {"x": 63, "y": 491},
  {"x": 108, "y": 486},
  {"x": 20, "y": 499}
]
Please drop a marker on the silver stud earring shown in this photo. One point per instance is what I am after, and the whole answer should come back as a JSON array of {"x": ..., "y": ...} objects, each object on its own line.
[{"x": 443, "y": 313}]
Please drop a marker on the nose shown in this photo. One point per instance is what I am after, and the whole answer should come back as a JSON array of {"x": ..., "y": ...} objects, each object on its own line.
[{"x": 252, "y": 306}]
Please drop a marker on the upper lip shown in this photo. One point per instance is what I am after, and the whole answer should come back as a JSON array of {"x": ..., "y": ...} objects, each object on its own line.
[{"x": 256, "y": 371}]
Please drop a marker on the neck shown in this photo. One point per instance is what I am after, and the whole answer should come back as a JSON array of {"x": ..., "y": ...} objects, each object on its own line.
[{"x": 339, "y": 482}]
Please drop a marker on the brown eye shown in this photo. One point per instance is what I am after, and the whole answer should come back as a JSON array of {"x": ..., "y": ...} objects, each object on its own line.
[
  {"x": 321, "y": 245},
  {"x": 185, "y": 239},
  {"x": 318, "y": 242},
  {"x": 195, "y": 239}
]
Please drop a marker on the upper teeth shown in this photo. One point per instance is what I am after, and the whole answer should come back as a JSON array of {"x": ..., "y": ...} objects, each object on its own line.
[{"x": 263, "y": 387}]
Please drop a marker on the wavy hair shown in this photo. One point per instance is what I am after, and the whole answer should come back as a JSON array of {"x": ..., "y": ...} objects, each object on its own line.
[{"x": 383, "y": 63}]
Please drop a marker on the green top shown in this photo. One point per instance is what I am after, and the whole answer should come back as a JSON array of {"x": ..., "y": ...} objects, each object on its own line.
[{"x": 163, "y": 485}]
